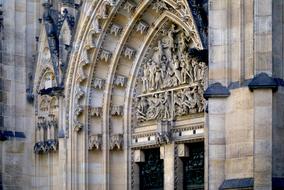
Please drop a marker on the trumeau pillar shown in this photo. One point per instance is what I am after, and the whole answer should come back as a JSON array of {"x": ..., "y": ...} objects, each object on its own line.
[{"x": 168, "y": 154}]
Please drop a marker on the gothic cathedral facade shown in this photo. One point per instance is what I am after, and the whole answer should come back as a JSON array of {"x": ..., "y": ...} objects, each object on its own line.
[{"x": 142, "y": 94}]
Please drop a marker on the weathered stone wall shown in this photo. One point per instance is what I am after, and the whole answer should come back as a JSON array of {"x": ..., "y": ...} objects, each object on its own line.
[{"x": 19, "y": 47}]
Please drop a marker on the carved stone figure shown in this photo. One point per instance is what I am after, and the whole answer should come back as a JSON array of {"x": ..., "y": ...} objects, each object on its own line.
[
  {"x": 166, "y": 105},
  {"x": 163, "y": 137},
  {"x": 145, "y": 78},
  {"x": 171, "y": 37},
  {"x": 152, "y": 72},
  {"x": 142, "y": 106},
  {"x": 176, "y": 65}
]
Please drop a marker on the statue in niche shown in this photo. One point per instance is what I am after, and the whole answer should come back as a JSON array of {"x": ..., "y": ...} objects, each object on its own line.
[{"x": 142, "y": 109}]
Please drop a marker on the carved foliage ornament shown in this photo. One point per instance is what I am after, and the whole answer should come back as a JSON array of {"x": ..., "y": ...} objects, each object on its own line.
[
  {"x": 116, "y": 141},
  {"x": 95, "y": 142}
]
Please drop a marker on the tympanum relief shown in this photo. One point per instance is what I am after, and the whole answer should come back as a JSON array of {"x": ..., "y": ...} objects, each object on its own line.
[{"x": 172, "y": 79}]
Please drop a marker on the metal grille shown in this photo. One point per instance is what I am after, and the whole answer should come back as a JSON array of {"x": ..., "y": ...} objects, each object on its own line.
[
  {"x": 193, "y": 167},
  {"x": 152, "y": 171}
]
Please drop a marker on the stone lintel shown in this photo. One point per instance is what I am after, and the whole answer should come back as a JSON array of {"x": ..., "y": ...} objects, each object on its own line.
[
  {"x": 216, "y": 90},
  {"x": 237, "y": 183},
  {"x": 263, "y": 81}
]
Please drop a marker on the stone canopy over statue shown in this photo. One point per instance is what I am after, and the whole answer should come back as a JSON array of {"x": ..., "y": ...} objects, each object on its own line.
[{"x": 172, "y": 79}]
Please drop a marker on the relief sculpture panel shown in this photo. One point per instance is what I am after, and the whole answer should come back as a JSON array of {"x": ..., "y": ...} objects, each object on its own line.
[{"x": 172, "y": 78}]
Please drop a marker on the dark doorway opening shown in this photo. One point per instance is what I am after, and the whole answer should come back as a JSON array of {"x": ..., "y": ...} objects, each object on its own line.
[
  {"x": 152, "y": 171},
  {"x": 193, "y": 167}
]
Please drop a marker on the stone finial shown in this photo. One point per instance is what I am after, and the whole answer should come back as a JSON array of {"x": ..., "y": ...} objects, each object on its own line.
[
  {"x": 98, "y": 83},
  {"x": 142, "y": 27},
  {"x": 129, "y": 52},
  {"x": 105, "y": 55},
  {"x": 116, "y": 110},
  {"x": 129, "y": 6},
  {"x": 96, "y": 111},
  {"x": 95, "y": 142},
  {"x": 116, "y": 29},
  {"x": 116, "y": 142},
  {"x": 120, "y": 81}
]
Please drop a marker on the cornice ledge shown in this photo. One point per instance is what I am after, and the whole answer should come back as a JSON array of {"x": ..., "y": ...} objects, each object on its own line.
[
  {"x": 216, "y": 90},
  {"x": 263, "y": 81}
]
